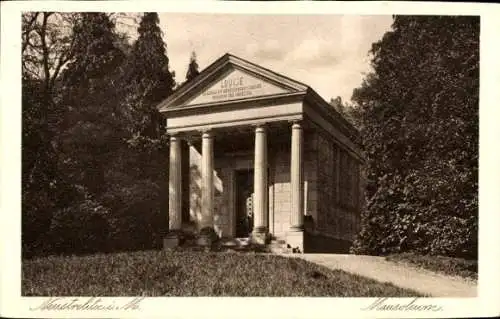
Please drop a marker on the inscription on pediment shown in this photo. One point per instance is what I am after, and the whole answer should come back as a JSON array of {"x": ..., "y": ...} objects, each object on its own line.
[{"x": 236, "y": 85}]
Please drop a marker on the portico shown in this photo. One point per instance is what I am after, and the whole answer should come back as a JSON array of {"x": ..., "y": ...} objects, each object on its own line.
[{"x": 253, "y": 138}]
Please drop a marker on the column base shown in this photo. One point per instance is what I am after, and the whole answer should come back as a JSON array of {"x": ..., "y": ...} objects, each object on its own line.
[
  {"x": 260, "y": 238},
  {"x": 173, "y": 239},
  {"x": 207, "y": 237},
  {"x": 295, "y": 239}
]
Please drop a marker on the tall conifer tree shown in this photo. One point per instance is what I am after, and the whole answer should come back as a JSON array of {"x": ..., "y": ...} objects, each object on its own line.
[
  {"x": 192, "y": 71},
  {"x": 93, "y": 127},
  {"x": 148, "y": 78}
]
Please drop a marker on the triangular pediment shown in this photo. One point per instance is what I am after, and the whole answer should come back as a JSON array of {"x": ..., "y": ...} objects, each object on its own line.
[{"x": 230, "y": 79}]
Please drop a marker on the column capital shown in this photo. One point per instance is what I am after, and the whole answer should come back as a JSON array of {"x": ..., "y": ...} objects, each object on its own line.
[
  {"x": 262, "y": 124},
  {"x": 260, "y": 128},
  {"x": 179, "y": 135},
  {"x": 296, "y": 125},
  {"x": 208, "y": 133},
  {"x": 173, "y": 136}
]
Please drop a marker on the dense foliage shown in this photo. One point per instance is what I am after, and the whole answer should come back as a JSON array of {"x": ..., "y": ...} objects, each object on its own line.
[
  {"x": 93, "y": 153},
  {"x": 162, "y": 273},
  {"x": 418, "y": 115}
]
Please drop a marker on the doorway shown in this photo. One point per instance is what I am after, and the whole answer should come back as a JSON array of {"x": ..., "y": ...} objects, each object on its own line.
[{"x": 244, "y": 202}]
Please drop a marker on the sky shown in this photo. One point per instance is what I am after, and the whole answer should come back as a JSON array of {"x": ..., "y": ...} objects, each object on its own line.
[{"x": 327, "y": 52}]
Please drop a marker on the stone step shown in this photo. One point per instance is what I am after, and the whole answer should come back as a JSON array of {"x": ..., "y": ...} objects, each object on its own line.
[
  {"x": 279, "y": 250},
  {"x": 279, "y": 247}
]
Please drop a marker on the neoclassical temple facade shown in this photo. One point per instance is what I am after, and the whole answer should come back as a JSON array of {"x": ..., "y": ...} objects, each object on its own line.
[{"x": 256, "y": 154}]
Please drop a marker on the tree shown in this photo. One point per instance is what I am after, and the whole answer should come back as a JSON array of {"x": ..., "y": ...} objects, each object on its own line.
[
  {"x": 349, "y": 111},
  {"x": 337, "y": 104},
  {"x": 148, "y": 79},
  {"x": 192, "y": 71},
  {"x": 81, "y": 113},
  {"x": 94, "y": 125},
  {"x": 140, "y": 181},
  {"x": 46, "y": 49},
  {"x": 419, "y": 122},
  {"x": 89, "y": 132}
]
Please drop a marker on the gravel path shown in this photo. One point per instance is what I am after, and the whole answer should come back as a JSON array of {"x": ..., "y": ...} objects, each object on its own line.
[{"x": 405, "y": 276}]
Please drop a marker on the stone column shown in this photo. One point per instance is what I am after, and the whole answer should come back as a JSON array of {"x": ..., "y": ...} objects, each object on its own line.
[
  {"x": 207, "y": 180},
  {"x": 175, "y": 183},
  {"x": 295, "y": 233},
  {"x": 174, "y": 194},
  {"x": 296, "y": 180},
  {"x": 260, "y": 204}
]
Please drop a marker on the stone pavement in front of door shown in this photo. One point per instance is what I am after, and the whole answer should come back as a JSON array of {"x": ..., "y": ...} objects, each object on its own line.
[{"x": 420, "y": 280}]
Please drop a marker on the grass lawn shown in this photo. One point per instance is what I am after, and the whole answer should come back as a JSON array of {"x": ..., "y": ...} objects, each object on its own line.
[
  {"x": 445, "y": 265},
  {"x": 163, "y": 273}
]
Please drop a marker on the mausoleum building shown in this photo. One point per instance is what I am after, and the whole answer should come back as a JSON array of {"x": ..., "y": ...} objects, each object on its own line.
[{"x": 256, "y": 154}]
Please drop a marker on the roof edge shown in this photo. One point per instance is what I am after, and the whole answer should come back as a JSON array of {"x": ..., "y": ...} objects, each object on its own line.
[
  {"x": 345, "y": 125},
  {"x": 220, "y": 63},
  {"x": 187, "y": 85}
]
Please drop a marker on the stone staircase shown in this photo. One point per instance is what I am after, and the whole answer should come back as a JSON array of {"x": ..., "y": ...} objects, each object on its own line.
[
  {"x": 276, "y": 246},
  {"x": 241, "y": 245}
]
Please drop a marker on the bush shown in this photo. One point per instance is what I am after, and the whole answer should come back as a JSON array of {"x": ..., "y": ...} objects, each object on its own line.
[
  {"x": 80, "y": 228},
  {"x": 136, "y": 219},
  {"x": 415, "y": 216},
  {"x": 37, "y": 211}
]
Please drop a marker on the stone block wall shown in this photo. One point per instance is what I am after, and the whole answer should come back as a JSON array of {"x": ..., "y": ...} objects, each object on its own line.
[
  {"x": 281, "y": 185},
  {"x": 222, "y": 184},
  {"x": 338, "y": 190},
  {"x": 281, "y": 188},
  {"x": 222, "y": 218}
]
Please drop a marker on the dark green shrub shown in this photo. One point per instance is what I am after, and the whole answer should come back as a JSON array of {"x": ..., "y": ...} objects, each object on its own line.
[
  {"x": 80, "y": 228},
  {"x": 136, "y": 219}
]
